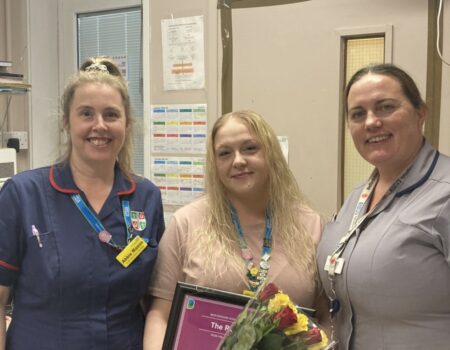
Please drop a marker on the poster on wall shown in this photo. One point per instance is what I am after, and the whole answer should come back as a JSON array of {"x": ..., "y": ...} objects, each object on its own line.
[
  {"x": 180, "y": 179},
  {"x": 183, "y": 53},
  {"x": 180, "y": 129}
]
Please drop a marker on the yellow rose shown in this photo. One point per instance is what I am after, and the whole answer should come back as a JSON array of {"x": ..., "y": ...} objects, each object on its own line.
[
  {"x": 294, "y": 308},
  {"x": 300, "y": 326},
  {"x": 278, "y": 302}
]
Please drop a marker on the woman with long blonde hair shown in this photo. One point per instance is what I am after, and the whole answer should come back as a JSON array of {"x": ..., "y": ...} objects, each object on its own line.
[{"x": 252, "y": 225}]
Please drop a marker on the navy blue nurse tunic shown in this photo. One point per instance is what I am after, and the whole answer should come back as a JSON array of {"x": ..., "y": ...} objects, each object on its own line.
[{"x": 71, "y": 293}]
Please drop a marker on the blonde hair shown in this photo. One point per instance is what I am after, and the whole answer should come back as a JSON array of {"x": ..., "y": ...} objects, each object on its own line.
[
  {"x": 218, "y": 236},
  {"x": 101, "y": 70}
]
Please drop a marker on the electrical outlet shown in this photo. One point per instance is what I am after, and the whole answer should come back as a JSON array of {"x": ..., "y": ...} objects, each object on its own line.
[{"x": 21, "y": 135}]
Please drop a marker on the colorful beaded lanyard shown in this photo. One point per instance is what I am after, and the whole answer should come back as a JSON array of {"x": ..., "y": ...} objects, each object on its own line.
[{"x": 255, "y": 275}]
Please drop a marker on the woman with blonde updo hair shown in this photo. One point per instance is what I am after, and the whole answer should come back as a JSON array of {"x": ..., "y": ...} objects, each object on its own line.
[
  {"x": 115, "y": 79},
  {"x": 78, "y": 239},
  {"x": 253, "y": 225}
]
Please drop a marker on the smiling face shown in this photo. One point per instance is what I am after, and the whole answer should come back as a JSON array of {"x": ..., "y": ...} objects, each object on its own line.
[
  {"x": 385, "y": 127},
  {"x": 96, "y": 124},
  {"x": 240, "y": 161}
]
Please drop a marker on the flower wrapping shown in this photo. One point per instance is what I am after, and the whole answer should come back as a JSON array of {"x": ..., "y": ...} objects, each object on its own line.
[{"x": 270, "y": 321}]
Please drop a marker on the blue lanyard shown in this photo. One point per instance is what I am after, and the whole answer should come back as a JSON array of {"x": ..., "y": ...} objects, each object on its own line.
[
  {"x": 255, "y": 275},
  {"x": 267, "y": 245},
  {"x": 96, "y": 224},
  {"x": 127, "y": 217}
]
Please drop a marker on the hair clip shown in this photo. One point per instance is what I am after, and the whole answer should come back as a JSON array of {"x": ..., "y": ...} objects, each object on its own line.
[{"x": 96, "y": 67}]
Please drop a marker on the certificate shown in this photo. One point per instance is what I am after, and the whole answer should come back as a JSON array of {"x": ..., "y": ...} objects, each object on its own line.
[{"x": 200, "y": 317}]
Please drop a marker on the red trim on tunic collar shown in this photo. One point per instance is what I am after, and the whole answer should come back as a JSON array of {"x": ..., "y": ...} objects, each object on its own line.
[
  {"x": 8, "y": 266},
  {"x": 51, "y": 177},
  {"x": 130, "y": 190}
]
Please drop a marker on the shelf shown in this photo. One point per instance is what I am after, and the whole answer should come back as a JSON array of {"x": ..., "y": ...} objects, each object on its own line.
[
  {"x": 14, "y": 88},
  {"x": 13, "y": 91}
]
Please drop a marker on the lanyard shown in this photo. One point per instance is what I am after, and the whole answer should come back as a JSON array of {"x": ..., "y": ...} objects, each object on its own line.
[
  {"x": 96, "y": 224},
  {"x": 255, "y": 275},
  {"x": 267, "y": 246},
  {"x": 127, "y": 217},
  {"x": 356, "y": 221},
  {"x": 334, "y": 262}
]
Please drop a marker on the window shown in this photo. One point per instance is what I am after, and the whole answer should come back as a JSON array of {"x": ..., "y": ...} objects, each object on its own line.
[
  {"x": 118, "y": 34},
  {"x": 359, "y": 52}
]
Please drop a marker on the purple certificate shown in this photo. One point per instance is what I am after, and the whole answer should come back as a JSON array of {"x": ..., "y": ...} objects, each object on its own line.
[
  {"x": 200, "y": 317},
  {"x": 204, "y": 322}
]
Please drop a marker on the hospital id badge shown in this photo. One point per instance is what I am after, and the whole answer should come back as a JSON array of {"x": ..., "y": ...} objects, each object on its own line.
[
  {"x": 131, "y": 251},
  {"x": 334, "y": 265}
]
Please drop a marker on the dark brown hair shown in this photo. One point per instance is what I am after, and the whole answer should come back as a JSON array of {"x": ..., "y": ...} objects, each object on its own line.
[{"x": 407, "y": 84}]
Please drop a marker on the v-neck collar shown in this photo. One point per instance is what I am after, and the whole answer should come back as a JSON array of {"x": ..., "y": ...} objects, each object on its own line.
[
  {"x": 417, "y": 174},
  {"x": 61, "y": 179}
]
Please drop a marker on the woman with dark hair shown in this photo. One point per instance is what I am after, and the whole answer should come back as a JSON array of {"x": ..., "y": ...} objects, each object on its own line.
[
  {"x": 78, "y": 239},
  {"x": 385, "y": 259},
  {"x": 252, "y": 225}
]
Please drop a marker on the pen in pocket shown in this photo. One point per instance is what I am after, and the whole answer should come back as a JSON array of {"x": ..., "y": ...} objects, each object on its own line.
[{"x": 36, "y": 234}]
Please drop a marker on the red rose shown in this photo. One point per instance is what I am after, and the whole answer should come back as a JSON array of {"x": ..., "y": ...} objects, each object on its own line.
[
  {"x": 270, "y": 290},
  {"x": 313, "y": 336},
  {"x": 286, "y": 318}
]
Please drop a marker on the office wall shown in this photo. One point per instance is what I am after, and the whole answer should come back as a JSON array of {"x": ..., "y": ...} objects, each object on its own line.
[
  {"x": 44, "y": 77},
  {"x": 301, "y": 102},
  {"x": 159, "y": 10},
  {"x": 2, "y": 29},
  {"x": 2, "y": 47},
  {"x": 14, "y": 48},
  {"x": 287, "y": 63},
  {"x": 28, "y": 37},
  {"x": 287, "y": 67},
  {"x": 444, "y": 136}
]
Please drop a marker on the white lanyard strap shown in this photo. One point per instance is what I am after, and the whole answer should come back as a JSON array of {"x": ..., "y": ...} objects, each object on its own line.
[
  {"x": 334, "y": 261},
  {"x": 356, "y": 220}
]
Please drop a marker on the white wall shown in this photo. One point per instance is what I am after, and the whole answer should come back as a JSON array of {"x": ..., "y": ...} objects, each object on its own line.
[
  {"x": 159, "y": 10},
  {"x": 44, "y": 77},
  {"x": 287, "y": 67},
  {"x": 444, "y": 135},
  {"x": 155, "y": 12},
  {"x": 302, "y": 102}
]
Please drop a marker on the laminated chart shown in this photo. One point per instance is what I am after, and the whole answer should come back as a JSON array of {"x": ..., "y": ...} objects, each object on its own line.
[
  {"x": 180, "y": 179},
  {"x": 179, "y": 129}
]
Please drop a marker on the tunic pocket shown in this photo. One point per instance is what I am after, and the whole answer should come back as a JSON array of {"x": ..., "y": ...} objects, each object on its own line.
[
  {"x": 40, "y": 269},
  {"x": 145, "y": 266}
]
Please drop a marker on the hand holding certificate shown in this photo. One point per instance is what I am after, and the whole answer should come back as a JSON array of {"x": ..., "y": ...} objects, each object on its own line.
[{"x": 200, "y": 317}]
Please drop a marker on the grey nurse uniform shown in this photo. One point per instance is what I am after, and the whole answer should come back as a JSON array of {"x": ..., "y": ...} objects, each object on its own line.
[{"x": 394, "y": 289}]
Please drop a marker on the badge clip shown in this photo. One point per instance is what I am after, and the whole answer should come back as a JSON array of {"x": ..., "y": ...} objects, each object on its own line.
[
  {"x": 131, "y": 251},
  {"x": 334, "y": 265}
]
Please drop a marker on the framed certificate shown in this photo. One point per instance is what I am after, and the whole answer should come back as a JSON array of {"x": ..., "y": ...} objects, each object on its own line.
[{"x": 200, "y": 317}]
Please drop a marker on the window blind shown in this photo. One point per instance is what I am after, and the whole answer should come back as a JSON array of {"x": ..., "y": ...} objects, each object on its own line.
[{"x": 118, "y": 33}]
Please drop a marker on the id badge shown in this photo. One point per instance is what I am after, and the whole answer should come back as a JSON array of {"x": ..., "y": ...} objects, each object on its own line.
[
  {"x": 333, "y": 265},
  {"x": 131, "y": 251}
]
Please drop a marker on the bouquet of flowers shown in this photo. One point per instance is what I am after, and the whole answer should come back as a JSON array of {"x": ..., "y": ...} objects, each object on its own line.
[{"x": 271, "y": 321}]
